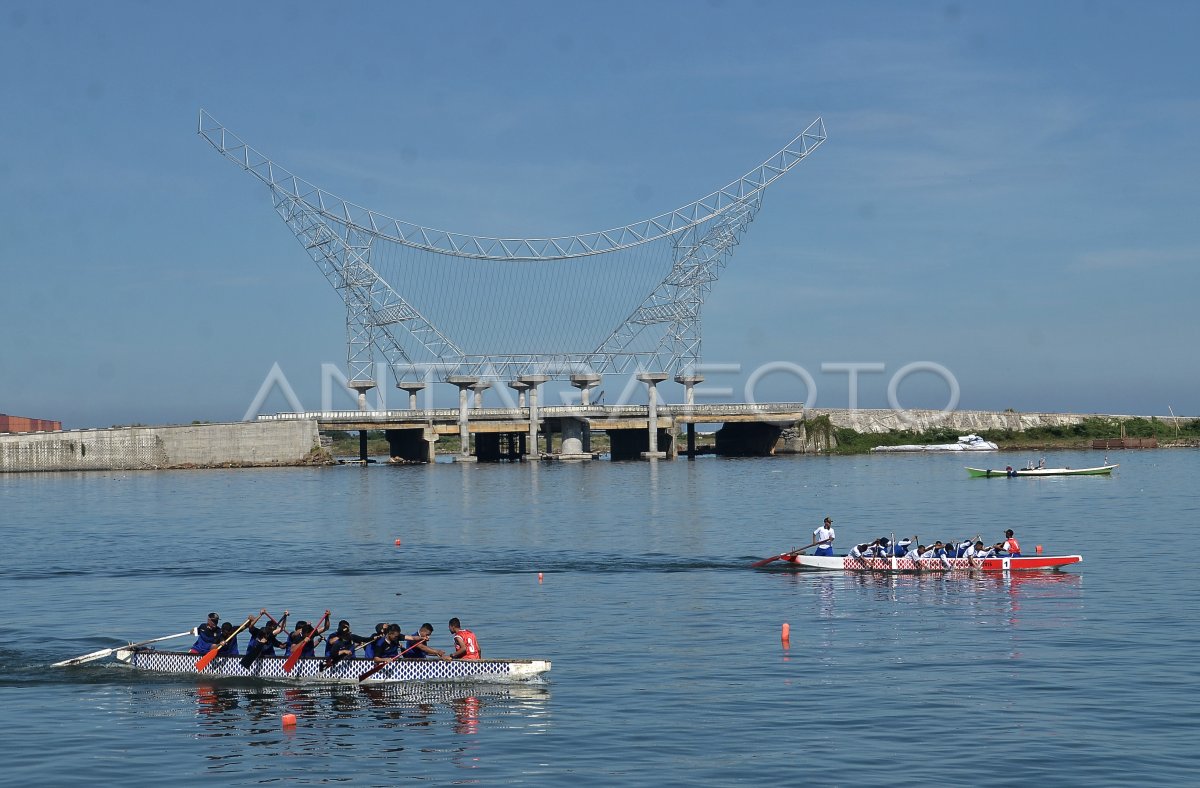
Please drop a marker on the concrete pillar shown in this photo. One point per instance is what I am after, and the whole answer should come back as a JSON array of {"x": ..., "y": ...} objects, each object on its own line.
[
  {"x": 652, "y": 379},
  {"x": 520, "y": 387},
  {"x": 362, "y": 387},
  {"x": 479, "y": 388},
  {"x": 585, "y": 382},
  {"x": 412, "y": 387},
  {"x": 533, "y": 381},
  {"x": 689, "y": 380},
  {"x": 464, "y": 382}
]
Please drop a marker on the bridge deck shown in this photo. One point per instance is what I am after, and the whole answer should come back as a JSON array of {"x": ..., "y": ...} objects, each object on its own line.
[{"x": 445, "y": 420}]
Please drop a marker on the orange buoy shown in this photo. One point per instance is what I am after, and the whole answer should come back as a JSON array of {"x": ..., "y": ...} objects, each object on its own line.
[
  {"x": 289, "y": 720},
  {"x": 786, "y": 634},
  {"x": 397, "y": 543},
  {"x": 539, "y": 577},
  {"x": 1039, "y": 549}
]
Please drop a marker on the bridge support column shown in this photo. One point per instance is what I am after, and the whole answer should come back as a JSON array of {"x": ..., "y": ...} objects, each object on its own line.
[
  {"x": 533, "y": 381},
  {"x": 413, "y": 387},
  {"x": 652, "y": 379},
  {"x": 479, "y": 388},
  {"x": 689, "y": 381},
  {"x": 464, "y": 382},
  {"x": 585, "y": 382},
  {"x": 362, "y": 387},
  {"x": 412, "y": 445}
]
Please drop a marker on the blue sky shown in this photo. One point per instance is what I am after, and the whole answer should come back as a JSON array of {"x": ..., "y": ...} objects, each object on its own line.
[{"x": 1008, "y": 189}]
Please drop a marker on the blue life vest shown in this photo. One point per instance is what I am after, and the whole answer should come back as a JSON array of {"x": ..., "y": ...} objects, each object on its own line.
[{"x": 230, "y": 649}]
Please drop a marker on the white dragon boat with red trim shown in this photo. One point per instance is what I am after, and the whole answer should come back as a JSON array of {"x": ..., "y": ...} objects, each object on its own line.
[
  {"x": 1009, "y": 564},
  {"x": 309, "y": 669}
]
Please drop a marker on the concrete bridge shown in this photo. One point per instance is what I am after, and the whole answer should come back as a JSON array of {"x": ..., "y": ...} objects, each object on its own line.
[{"x": 645, "y": 431}]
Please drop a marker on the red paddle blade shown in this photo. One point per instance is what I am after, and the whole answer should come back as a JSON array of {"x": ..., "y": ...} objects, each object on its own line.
[
  {"x": 204, "y": 661},
  {"x": 294, "y": 657},
  {"x": 766, "y": 561},
  {"x": 371, "y": 672}
]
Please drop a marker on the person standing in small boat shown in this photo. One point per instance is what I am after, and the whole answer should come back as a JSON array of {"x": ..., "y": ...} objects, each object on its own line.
[
  {"x": 466, "y": 646},
  {"x": 824, "y": 534},
  {"x": 1011, "y": 545},
  {"x": 208, "y": 635}
]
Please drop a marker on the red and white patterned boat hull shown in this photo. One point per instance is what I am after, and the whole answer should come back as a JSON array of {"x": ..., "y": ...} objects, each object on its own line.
[
  {"x": 347, "y": 670},
  {"x": 846, "y": 563}
]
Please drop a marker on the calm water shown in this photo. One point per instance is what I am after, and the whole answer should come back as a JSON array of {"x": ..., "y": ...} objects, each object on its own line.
[{"x": 668, "y": 666}]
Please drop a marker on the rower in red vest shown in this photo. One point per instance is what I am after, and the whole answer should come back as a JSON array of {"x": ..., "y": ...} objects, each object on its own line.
[
  {"x": 1011, "y": 546},
  {"x": 465, "y": 644}
]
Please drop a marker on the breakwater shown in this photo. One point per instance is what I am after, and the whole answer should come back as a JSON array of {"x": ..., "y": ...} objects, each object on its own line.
[{"x": 239, "y": 444}]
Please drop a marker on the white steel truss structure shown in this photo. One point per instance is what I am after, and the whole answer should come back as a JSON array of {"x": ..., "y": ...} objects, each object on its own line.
[{"x": 500, "y": 308}]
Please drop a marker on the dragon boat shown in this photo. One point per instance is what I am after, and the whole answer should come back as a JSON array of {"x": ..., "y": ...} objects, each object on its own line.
[
  {"x": 309, "y": 669},
  {"x": 992, "y": 473},
  {"x": 850, "y": 564}
]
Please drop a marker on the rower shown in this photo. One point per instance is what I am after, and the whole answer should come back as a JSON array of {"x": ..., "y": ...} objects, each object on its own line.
[
  {"x": 862, "y": 551},
  {"x": 418, "y": 644},
  {"x": 263, "y": 640},
  {"x": 344, "y": 642},
  {"x": 824, "y": 534},
  {"x": 387, "y": 647},
  {"x": 369, "y": 648},
  {"x": 302, "y": 631},
  {"x": 230, "y": 649},
  {"x": 465, "y": 644},
  {"x": 1011, "y": 546},
  {"x": 208, "y": 635},
  {"x": 937, "y": 551}
]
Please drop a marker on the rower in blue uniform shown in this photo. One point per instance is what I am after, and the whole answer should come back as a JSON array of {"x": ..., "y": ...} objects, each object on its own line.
[
  {"x": 208, "y": 635},
  {"x": 230, "y": 649},
  {"x": 418, "y": 644}
]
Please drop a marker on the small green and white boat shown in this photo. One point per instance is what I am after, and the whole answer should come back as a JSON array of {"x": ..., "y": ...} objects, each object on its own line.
[{"x": 990, "y": 473}]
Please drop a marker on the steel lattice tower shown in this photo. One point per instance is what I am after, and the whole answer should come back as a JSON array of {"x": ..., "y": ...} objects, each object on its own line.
[{"x": 404, "y": 285}]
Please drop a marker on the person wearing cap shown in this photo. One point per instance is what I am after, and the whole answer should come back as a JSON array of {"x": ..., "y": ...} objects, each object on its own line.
[
  {"x": 342, "y": 643},
  {"x": 824, "y": 534},
  {"x": 208, "y": 635}
]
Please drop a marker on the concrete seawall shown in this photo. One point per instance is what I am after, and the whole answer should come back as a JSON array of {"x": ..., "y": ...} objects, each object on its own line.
[
  {"x": 248, "y": 443},
  {"x": 886, "y": 420}
]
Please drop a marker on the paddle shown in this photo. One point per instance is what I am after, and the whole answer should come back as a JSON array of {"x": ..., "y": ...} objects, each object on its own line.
[
  {"x": 380, "y": 666},
  {"x": 298, "y": 649},
  {"x": 781, "y": 556},
  {"x": 207, "y": 659},
  {"x": 104, "y": 652}
]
